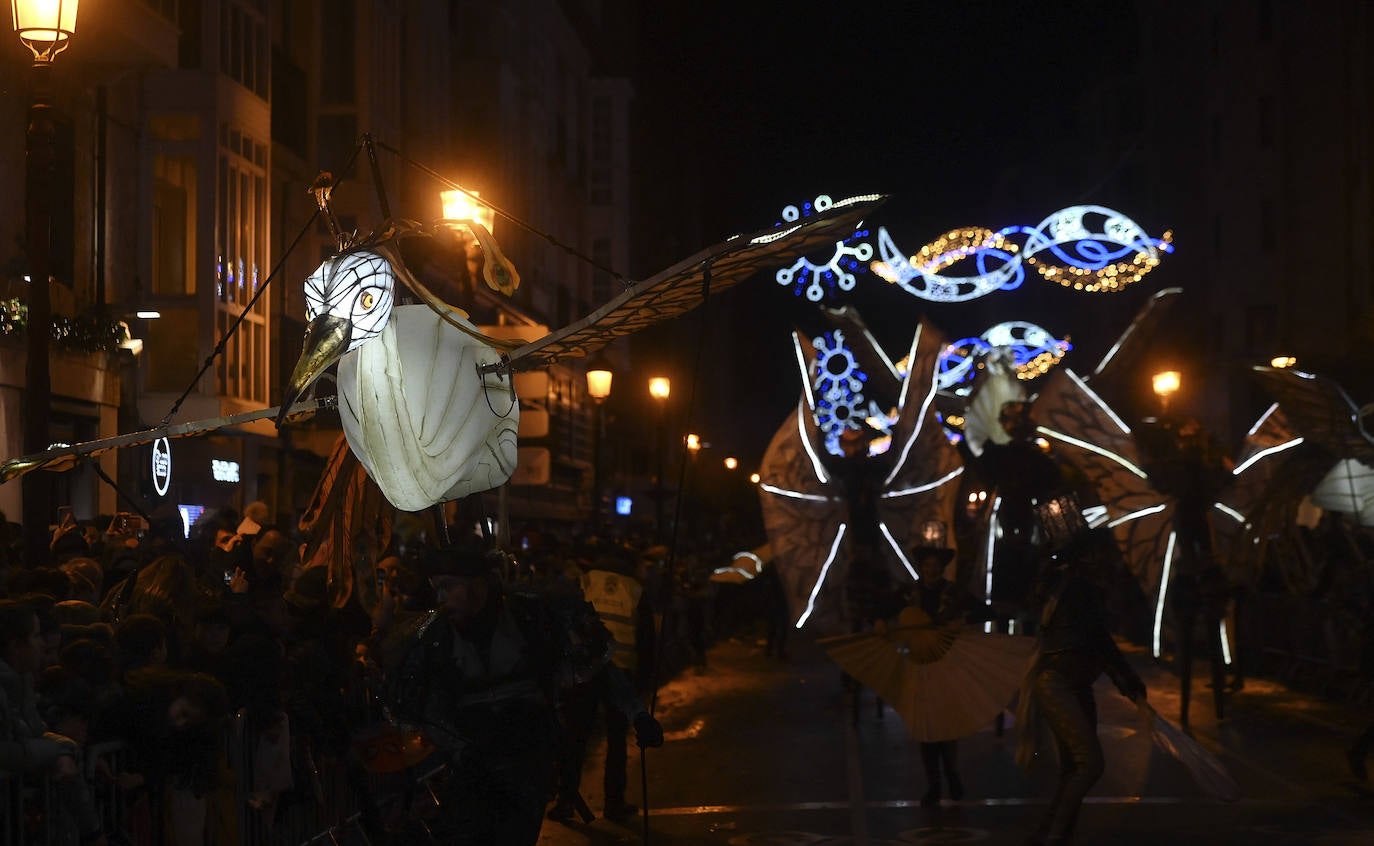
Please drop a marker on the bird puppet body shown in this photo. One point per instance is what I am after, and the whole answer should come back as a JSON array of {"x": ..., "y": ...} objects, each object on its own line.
[
  {"x": 424, "y": 428},
  {"x": 421, "y": 410}
]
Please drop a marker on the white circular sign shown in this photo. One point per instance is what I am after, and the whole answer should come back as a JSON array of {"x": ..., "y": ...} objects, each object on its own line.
[{"x": 162, "y": 466}]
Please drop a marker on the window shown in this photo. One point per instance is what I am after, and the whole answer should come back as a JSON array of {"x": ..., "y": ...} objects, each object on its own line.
[
  {"x": 174, "y": 225},
  {"x": 240, "y": 262},
  {"x": 289, "y": 104},
  {"x": 243, "y": 52},
  {"x": 336, "y": 139},
  {"x": 337, "y": 35}
]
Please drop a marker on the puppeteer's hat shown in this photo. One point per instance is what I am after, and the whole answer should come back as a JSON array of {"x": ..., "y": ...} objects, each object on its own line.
[{"x": 459, "y": 560}]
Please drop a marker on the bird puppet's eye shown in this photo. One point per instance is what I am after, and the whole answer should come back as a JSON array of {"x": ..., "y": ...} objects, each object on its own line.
[{"x": 368, "y": 300}]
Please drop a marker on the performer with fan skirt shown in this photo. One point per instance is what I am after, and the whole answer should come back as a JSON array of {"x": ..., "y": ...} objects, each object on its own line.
[
  {"x": 944, "y": 603},
  {"x": 944, "y": 678}
]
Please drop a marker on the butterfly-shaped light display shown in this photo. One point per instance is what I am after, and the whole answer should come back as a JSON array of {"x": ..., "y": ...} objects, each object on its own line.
[{"x": 809, "y": 512}]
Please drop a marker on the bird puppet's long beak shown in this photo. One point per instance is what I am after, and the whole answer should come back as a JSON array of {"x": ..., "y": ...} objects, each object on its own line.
[{"x": 326, "y": 340}]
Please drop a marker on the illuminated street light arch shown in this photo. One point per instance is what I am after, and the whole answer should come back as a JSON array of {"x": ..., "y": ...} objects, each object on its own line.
[
  {"x": 1086, "y": 248},
  {"x": 839, "y": 272},
  {"x": 1034, "y": 351}
]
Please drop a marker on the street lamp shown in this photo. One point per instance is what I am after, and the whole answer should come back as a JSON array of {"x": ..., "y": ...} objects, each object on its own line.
[
  {"x": 731, "y": 463},
  {"x": 1166, "y": 383},
  {"x": 466, "y": 205},
  {"x": 755, "y": 478},
  {"x": 659, "y": 388},
  {"x": 1282, "y": 361},
  {"x": 45, "y": 27},
  {"x": 599, "y": 377}
]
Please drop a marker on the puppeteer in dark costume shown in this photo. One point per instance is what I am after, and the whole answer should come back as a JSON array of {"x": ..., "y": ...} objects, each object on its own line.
[
  {"x": 1073, "y": 649},
  {"x": 479, "y": 676},
  {"x": 1023, "y": 474}
]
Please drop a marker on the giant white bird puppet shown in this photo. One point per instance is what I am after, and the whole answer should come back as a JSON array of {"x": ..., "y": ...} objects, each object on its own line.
[
  {"x": 427, "y": 401},
  {"x": 422, "y": 404}
]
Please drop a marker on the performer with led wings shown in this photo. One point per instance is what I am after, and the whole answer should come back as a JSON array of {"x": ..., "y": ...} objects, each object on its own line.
[{"x": 854, "y": 473}]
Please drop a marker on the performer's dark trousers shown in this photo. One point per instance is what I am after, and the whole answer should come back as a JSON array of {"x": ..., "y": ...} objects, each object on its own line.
[
  {"x": 1064, "y": 692},
  {"x": 580, "y": 712},
  {"x": 500, "y": 783},
  {"x": 935, "y": 754},
  {"x": 1187, "y": 619}
]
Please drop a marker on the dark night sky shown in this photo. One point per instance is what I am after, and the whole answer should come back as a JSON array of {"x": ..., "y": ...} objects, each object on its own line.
[{"x": 963, "y": 113}]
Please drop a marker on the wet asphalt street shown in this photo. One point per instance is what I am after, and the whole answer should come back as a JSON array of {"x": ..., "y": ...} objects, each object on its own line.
[{"x": 766, "y": 753}]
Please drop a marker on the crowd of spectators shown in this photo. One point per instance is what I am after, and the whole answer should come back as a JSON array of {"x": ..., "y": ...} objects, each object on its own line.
[{"x": 138, "y": 638}]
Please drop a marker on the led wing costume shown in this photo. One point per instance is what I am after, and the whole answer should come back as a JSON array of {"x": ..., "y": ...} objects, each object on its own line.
[
  {"x": 811, "y": 516},
  {"x": 1245, "y": 498},
  {"x": 1336, "y": 434}
]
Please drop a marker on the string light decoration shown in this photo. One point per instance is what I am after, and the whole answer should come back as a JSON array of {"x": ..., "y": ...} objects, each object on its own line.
[
  {"x": 839, "y": 272},
  {"x": 1034, "y": 352},
  {"x": 1086, "y": 248},
  {"x": 84, "y": 333},
  {"x": 837, "y": 382}
]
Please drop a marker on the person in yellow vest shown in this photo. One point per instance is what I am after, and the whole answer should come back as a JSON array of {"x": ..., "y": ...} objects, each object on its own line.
[{"x": 618, "y": 597}]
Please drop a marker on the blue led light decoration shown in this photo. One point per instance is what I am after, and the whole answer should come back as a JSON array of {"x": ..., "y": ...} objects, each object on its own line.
[
  {"x": 1086, "y": 248},
  {"x": 1033, "y": 349},
  {"x": 838, "y": 384},
  {"x": 839, "y": 272}
]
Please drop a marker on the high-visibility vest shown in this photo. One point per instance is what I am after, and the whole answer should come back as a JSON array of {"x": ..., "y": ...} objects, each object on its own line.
[{"x": 616, "y": 600}]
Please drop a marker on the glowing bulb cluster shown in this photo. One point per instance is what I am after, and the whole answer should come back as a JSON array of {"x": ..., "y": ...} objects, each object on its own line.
[{"x": 1110, "y": 277}]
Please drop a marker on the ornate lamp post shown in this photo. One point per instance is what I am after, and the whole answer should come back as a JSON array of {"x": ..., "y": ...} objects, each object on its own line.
[
  {"x": 46, "y": 27},
  {"x": 659, "y": 388},
  {"x": 599, "y": 375}
]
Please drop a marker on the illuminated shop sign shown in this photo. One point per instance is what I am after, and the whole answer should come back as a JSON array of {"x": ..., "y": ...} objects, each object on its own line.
[
  {"x": 224, "y": 471},
  {"x": 162, "y": 466}
]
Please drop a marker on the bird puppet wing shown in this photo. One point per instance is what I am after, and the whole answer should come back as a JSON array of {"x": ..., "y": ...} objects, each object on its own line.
[{"x": 681, "y": 288}]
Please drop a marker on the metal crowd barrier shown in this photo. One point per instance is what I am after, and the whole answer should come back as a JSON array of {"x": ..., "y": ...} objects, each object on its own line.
[{"x": 320, "y": 806}]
